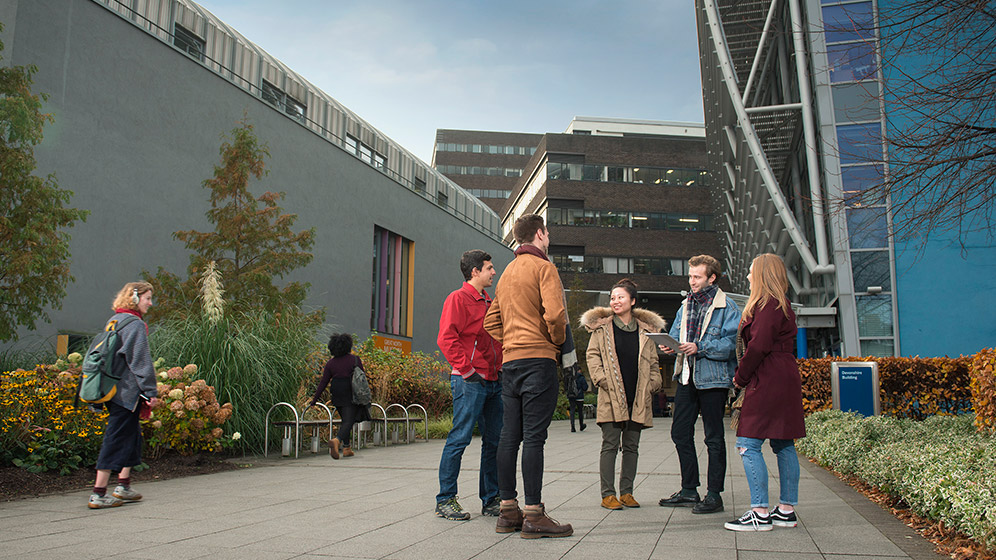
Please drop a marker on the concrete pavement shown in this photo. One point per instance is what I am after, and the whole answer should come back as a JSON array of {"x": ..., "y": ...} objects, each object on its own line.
[{"x": 379, "y": 504}]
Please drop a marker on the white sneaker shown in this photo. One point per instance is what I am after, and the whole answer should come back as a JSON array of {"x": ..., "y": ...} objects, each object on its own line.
[
  {"x": 126, "y": 493},
  {"x": 100, "y": 502}
]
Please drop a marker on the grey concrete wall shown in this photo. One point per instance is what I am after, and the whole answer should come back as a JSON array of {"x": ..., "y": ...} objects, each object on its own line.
[{"x": 137, "y": 130}]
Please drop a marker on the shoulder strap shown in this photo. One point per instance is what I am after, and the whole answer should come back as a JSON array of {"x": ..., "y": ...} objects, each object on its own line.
[{"x": 118, "y": 325}]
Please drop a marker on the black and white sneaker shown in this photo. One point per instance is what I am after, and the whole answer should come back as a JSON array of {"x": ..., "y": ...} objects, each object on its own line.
[
  {"x": 750, "y": 521},
  {"x": 781, "y": 519}
]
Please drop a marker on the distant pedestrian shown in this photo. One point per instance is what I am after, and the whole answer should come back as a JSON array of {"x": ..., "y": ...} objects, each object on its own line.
[
  {"x": 475, "y": 359},
  {"x": 624, "y": 366},
  {"x": 529, "y": 319},
  {"x": 136, "y": 395},
  {"x": 339, "y": 371},
  {"x": 575, "y": 386},
  {"x": 772, "y": 405}
]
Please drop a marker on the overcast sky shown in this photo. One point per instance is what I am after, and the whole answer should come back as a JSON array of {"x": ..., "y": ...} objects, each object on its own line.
[{"x": 409, "y": 67}]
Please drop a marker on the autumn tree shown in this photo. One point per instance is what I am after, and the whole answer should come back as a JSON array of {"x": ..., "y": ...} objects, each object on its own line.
[
  {"x": 252, "y": 244},
  {"x": 34, "y": 246},
  {"x": 938, "y": 58}
]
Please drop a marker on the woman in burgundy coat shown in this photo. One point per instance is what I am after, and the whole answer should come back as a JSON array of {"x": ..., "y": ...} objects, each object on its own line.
[{"x": 772, "y": 406}]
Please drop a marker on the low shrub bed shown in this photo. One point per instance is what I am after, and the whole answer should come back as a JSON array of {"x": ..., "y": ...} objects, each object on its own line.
[{"x": 943, "y": 468}]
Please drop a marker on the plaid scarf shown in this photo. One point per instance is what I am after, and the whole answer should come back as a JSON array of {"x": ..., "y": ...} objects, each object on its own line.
[{"x": 698, "y": 305}]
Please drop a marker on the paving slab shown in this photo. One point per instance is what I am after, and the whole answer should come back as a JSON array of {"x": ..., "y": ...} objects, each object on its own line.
[{"x": 379, "y": 504}]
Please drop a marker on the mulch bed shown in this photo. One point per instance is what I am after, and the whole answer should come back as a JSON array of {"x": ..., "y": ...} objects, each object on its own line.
[
  {"x": 17, "y": 483},
  {"x": 948, "y": 541}
]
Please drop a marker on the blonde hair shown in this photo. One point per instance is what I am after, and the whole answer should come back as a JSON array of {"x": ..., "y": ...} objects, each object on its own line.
[
  {"x": 769, "y": 280},
  {"x": 127, "y": 298}
]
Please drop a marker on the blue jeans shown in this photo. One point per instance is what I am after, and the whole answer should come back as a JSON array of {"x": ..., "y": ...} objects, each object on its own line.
[
  {"x": 529, "y": 395},
  {"x": 757, "y": 471},
  {"x": 473, "y": 403}
]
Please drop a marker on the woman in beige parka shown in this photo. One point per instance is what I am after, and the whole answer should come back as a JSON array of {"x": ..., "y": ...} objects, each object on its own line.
[{"x": 623, "y": 365}]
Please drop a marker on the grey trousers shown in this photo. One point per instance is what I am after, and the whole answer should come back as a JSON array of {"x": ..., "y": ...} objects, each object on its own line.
[{"x": 612, "y": 433}]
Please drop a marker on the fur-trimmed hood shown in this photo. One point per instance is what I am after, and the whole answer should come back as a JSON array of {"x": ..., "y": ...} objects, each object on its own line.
[{"x": 599, "y": 316}]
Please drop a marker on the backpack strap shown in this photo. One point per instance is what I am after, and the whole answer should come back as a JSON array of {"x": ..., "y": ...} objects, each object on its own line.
[{"x": 118, "y": 325}]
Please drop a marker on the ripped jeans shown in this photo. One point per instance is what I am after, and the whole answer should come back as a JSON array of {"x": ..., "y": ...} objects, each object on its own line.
[{"x": 757, "y": 471}]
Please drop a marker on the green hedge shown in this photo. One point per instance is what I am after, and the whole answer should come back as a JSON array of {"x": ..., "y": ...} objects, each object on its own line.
[{"x": 942, "y": 467}]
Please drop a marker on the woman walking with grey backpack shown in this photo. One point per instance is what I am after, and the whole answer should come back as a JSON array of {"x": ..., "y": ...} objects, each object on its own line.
[
  {"x": 134, "y": 397},
  {"x": 339, "y": 371}
]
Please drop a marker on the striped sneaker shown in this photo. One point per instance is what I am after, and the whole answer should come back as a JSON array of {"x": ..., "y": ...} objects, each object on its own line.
[
  {"x": 750, "y": 521},
  {"x": 781, "y": 519}
]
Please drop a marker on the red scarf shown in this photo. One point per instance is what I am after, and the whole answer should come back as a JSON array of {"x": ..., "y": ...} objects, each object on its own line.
[{"x": 134, "y": 312}]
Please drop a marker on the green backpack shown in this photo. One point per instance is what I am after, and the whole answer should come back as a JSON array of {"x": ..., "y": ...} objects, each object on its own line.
[{"x": 98, "y": 383}]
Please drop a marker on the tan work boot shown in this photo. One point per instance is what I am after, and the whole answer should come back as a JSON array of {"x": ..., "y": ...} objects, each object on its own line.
[
  {"x": 347, "y": 451},
  {"x": 334, "y": 448},
  {"x": 537, "y": 524},
  {"x": 509, "y": 518}
]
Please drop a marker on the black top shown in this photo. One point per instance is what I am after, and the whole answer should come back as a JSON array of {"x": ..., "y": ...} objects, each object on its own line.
[
  {"x": 340, "y": 371},
  {"x": 628, "y": 354}
]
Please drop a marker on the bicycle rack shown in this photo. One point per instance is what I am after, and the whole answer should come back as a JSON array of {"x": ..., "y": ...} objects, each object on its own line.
[
  {"x": 297, "y": 431},
  {"x": 425, "y": 420}
]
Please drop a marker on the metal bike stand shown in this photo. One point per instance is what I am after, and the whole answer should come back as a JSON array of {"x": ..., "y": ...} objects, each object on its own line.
[
  {"x": 297, "y": 430},
  {"x": 425, "y": 419},
  {"x": 403, "y": 409}
]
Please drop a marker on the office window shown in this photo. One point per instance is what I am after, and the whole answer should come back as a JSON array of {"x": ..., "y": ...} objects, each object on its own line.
[
  {"x": 859, "y": 143},
  {"x": 352, "y": 145},
  {"x": 442, "y": 199},
  {"x": 877, "y": 348},
  {"x": 851, "y": 62},
  {"x": 856, "y": 102},
  {"x": 867, "y": 228},
  {"x": 188, "y": 42},
  {"x": 279, "y": 99},
  {"x": 856, "y": 180},
  {"x": 848, "y": 22},
  {"x": 393, "y": 283},
  {"x": 874, "y": 315},
  {"x": 871, "y": 268},
  {"x": 419, "y": 185},
  {"x": 615, "y": 265}
]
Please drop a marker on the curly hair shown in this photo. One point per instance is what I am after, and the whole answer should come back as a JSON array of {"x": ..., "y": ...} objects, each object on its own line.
[
  {"x": 340, "y": 344},
  {"x": 127, "y": 297}
]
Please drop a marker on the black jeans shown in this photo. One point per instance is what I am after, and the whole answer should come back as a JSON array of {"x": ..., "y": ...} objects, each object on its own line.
[
  {"x": 529, "y": 396},
  {"x": 688, "y": 402},
  {"x": 348, "y": 414},
  {"x": 575, "y": 408}
]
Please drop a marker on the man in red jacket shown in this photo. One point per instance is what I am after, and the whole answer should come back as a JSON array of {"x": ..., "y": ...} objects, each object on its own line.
[{"x": 476, "y": 360}]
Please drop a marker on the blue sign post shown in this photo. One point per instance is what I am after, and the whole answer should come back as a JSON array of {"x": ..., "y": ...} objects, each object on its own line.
[{"x": 854, "y": 387}]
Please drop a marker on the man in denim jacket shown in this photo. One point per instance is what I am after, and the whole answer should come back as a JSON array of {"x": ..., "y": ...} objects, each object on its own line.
[{"x": 706, "y": 327}]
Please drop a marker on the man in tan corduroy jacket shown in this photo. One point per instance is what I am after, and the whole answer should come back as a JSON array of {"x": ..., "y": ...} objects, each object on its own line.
[{"x": 528, "y": 318}]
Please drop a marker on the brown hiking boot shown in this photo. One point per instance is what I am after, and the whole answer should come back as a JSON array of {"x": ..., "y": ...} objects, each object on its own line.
[
  {"x": 334, "y": 448},
  {"x": 538, "y": 524},
  {"x": 347, "y": 451},
  {"x": 509, "y": 518}
]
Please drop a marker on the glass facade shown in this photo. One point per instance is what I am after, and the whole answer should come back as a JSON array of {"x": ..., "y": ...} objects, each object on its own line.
[
  {"x": 486, "y": 149},
  {"x": 854, "y": 73},
  {"x": 478, "y": 170},
  {"x": 666, "y": 176},
  {"x": 393, "y": 283},
  {"x": 633, "y": 220},
  {"x": 657, "y": 266}
]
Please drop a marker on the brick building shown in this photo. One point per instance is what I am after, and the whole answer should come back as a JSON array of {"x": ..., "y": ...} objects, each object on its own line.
[{"x": 488, "y": 164}]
